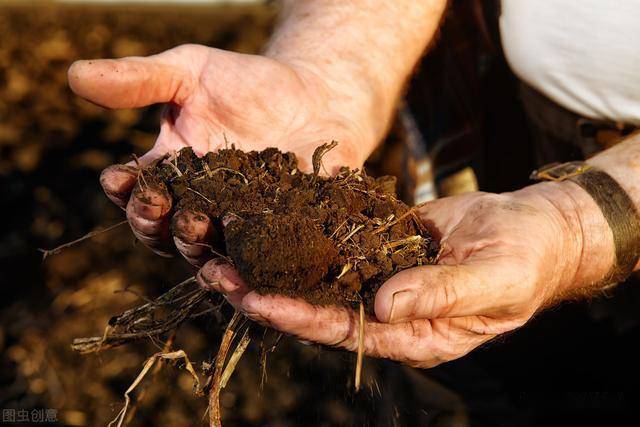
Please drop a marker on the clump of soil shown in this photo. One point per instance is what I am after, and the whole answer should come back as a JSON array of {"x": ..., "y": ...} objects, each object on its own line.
[{"x": 328, "y": 240}]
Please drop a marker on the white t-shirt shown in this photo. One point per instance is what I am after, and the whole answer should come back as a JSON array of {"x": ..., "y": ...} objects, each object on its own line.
[{"x": 583, "y": 54}]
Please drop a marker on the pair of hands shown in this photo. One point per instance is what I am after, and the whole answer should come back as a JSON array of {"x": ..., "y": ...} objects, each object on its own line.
[{"x": 503, "y": 253}]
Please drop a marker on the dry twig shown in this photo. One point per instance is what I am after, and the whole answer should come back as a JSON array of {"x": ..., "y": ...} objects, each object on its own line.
[
  {"x": 48, "y": 252},
  {"x": 235, "y": 358},
  {"x": 392, "y": 223},
  {"x": 200, "y": 194},
  {"x": 149, "y": 320},
  {"x": 215, "y": 417},
  {"x": 352, "y": 232},
  {"x": 221, "y": 168},
  {"x": 360, "y": 355},
  {"x": 142, "y": 393},
  {"x": 318, "y": 154},
  {"x": 174, "y": 355},
  {"x": 264, "y": 351},
  {"x": 406, "y": 241}
]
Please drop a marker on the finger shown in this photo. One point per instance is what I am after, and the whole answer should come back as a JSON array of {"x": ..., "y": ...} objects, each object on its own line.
[
  {"x": 219, "y": 276},
  {"x": 438, "y": 291},
  {"x": 148, "y": 214},
  {"x": 133, "y": 81},
  {"x": 423, "y": 343},
  {"x": 117, "y": 182},
  {"x": 193, "y": 235}
]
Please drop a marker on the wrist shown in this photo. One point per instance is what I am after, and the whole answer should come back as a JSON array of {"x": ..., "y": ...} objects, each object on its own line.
[
  {"x": 584, "y": 248},
  {"x": 348, "y": 45}
]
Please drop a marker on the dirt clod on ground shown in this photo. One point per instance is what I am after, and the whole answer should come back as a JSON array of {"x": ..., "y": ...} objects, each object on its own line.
[{"x": 329, "y": 240}]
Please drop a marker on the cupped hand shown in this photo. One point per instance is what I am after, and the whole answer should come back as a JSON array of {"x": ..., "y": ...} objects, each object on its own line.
[
  {"x": 505, "y": 257},
  {"x": 214, "y": 96}
]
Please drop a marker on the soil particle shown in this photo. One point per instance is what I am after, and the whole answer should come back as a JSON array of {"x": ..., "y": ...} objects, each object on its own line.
[{"x": 261, "y": 244}]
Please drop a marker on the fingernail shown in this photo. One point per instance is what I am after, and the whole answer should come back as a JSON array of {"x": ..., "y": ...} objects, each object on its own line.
[
  {"x": 151, "y": 205},
  {"x": 130, "y": 170},
  {"x": 402, "y": 305},
  {"x": 191, "y": 226},
  {"x": 250, "y": 307},
  {"x": 117, "y": 182},
  {"x": 205, "y": 283},
  {"x": 115, "y": 176},
  {"x": 256, "y": 318},
  {"x": 212, "y": 274}
]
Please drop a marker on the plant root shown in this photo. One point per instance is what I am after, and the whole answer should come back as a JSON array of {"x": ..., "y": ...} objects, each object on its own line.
[
  {"x": 48, "y": 252},
  {"x": 144, "y": 387},
  {"x": 149, "y": 320},
  {"x": 174, "y": 355}
]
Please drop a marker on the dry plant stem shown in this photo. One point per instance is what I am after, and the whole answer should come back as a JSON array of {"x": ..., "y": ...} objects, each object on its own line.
[
  {"x": 174, "y": 355},
  {"x": 48, "y": 252},
  {"x": 392, "y": 223},
  {"x": 216, "y": 253},
  {"x": 216, "y": 170},
  {"x": 215, "y": 418},
  {"x": 263, "y": 357},
  {"x": 411, "y": 212},
  {"x": 143, "y": 388},
  {"x": 200, "y": 194},
  {"x": 345, "y": 269},
  {"x": 338, "y": 229},
  {"x": 174, "y": 167},
  {"x": 360, "y": 355},
  {"x": 405, "y": 241},
  {"x": 352, "y": 233},
  {"x": 159, "y": 316},
  {"x": 235, "y": 358},
  {"x": 318, "y": 154}
]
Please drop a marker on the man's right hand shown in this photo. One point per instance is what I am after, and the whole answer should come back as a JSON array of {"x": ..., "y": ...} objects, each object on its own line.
[
  {"x": 333, "y": 70},
  {"x": 212, "y": 95}
]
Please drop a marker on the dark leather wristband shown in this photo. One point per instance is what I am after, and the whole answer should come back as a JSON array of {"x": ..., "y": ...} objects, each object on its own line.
[{"x": 615, "y": 204}]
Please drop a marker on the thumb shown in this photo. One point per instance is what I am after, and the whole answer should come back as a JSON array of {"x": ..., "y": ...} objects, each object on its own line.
[
  {"x": 133, "y": 81},
  {"x": 436, "y": 291}
]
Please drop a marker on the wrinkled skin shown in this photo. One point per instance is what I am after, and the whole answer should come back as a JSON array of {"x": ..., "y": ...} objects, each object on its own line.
[
  {"x": 505, "y": 256},
  {"x": 487, "y": 283}
]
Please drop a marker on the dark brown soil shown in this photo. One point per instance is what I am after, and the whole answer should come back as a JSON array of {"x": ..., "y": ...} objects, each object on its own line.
[{"x": 328, "y": 240}]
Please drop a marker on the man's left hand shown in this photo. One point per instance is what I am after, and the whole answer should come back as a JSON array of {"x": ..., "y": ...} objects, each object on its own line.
[{"x": 505, "y": 257}]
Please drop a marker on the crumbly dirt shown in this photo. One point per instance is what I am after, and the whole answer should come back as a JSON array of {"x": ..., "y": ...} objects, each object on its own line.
[{"x": 329, "y": 240}]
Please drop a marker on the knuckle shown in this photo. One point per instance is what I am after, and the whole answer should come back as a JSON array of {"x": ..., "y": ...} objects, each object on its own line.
[
  {"x": 437, "y": 295},
  {"x": 347, "y": 337}
]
